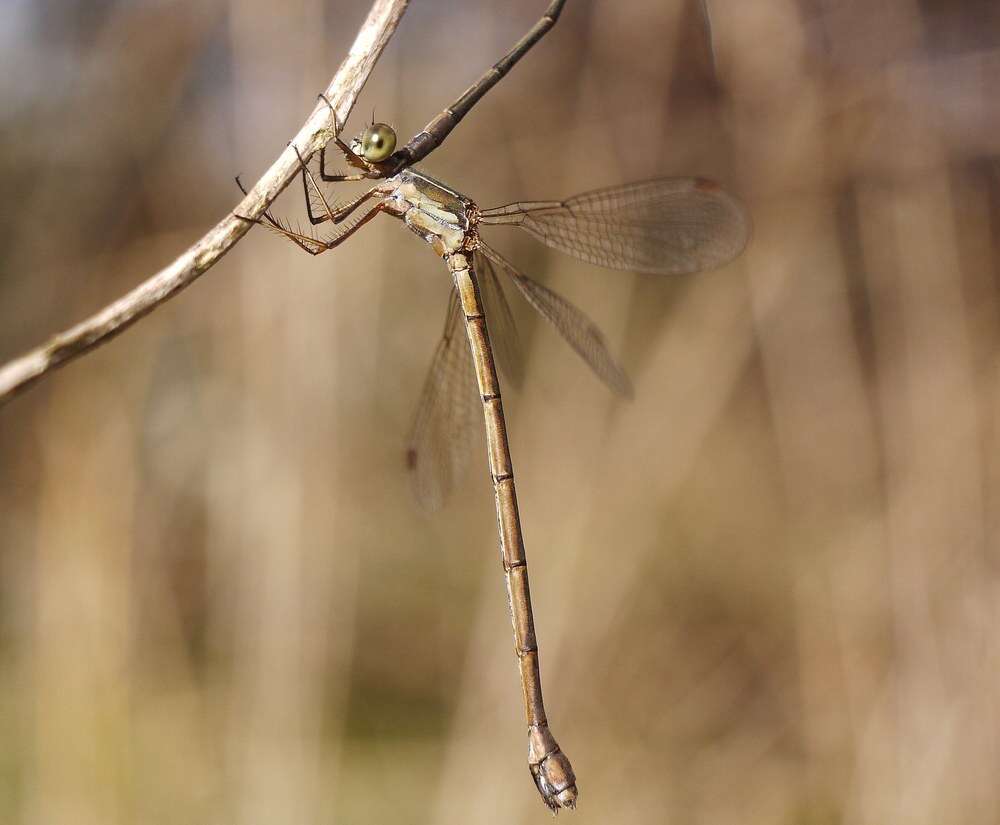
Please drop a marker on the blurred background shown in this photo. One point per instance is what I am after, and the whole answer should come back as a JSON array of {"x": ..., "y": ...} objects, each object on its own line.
[{"x": 766, "y": 590}]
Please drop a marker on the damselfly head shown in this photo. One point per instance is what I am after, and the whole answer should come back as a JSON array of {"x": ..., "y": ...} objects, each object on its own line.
[{"x": 375, "y": 143}]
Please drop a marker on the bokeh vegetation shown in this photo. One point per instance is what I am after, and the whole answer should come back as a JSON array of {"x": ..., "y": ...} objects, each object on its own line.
[{"x": 766, "y": 589}]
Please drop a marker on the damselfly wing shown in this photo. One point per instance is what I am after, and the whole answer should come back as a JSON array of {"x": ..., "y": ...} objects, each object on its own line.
[{"x": 663, "y": 226}]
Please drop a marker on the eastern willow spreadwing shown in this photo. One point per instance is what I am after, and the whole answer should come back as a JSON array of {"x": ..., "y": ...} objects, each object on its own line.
[{"x": 665, "y": 226}]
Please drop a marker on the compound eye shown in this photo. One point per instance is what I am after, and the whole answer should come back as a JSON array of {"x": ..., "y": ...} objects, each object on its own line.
[{"x": 378, "y": 142}]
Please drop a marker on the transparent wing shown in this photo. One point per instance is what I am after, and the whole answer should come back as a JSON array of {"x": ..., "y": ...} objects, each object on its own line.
[
  {"x": 500, "y": 321},
  {"x": 576, "y": 328},
  {"x": 444, "y": 426},
  {"x": 665, "y": 226}
]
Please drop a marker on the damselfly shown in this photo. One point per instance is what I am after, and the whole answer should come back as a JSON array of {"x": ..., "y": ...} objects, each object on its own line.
[{"x": 665, "y": 226}]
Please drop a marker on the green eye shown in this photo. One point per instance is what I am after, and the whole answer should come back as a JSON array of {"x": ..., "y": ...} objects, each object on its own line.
[{"x": 378, "y": 142}]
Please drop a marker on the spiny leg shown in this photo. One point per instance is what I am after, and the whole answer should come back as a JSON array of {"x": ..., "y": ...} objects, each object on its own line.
[
  {"x": 312, "y": 245},
  {"x": 321, "y": 245},
  {"x": 350, "y": 155},
  {"x": 307, "y": 178},
  {"x": 332, "y": 215},
  {"x": 272, "y": 223},
  {"x": 337, "y": 178},
  {"x": 438, "y": 129}
]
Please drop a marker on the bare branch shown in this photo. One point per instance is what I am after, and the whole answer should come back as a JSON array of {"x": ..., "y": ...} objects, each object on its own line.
[
  {"x": 707, "y": 19},
  {"x": 22, "y": 372}
]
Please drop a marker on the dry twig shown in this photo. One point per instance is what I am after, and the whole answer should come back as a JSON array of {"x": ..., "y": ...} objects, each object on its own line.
[{"x": 22, "y": 372}]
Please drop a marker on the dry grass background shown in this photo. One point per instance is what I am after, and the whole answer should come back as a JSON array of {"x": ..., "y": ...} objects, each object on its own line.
[{"x": 766, "y": 590}]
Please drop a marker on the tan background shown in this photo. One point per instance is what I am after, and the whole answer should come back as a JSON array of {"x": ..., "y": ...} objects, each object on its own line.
[{"x": 766, "y": 590}]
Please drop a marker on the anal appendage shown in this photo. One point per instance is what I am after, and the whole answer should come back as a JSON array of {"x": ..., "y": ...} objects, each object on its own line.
[{"x": 551, "y": 769}]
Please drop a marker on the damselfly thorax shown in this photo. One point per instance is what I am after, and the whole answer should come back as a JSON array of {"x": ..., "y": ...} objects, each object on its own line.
[{"x": 441, "y": 216}]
